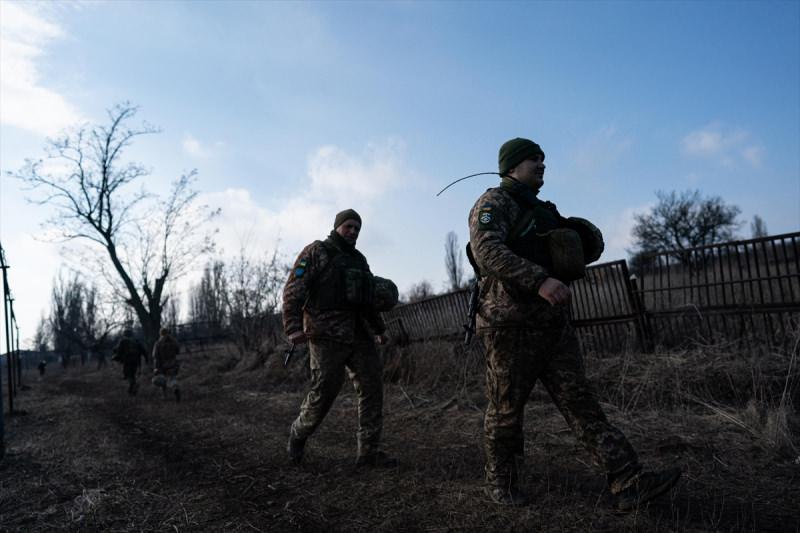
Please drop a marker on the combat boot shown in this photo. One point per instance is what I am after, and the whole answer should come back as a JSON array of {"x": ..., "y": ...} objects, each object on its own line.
[
  {"x": 647, "y": 486},
  {"x": 295, "y": 448},
  {"x": 379, "y": 459},
  {"x": 511, "y": 496}
]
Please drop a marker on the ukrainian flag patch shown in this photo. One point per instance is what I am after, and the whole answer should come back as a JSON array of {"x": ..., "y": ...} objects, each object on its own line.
[{"x": 300, "y": 269}]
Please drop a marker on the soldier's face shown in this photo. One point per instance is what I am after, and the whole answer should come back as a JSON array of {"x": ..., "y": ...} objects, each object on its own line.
[
  {"x": 349, "y": 230},
  {"x": 530, "y": 172}
]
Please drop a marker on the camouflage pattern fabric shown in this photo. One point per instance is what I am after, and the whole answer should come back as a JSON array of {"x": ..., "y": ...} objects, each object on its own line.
[
  {"x": 165, "y": 355},
  {"x": 342, "y": 325},
  {"x": 526, "y": 340},
  {"x": 131, "y": 351},
  {"x": 510, "y": 282},
  {"x": 329, "y": 360},
  {"x": 515, "y": 360}
]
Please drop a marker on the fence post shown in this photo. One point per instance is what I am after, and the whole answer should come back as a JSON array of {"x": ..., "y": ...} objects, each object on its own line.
[{"x": 644, "y": 331}]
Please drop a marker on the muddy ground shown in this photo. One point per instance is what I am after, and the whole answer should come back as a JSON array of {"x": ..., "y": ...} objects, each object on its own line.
[{"x": 81, "y": 455}]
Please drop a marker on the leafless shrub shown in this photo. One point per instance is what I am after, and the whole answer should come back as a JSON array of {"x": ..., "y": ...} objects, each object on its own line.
[
  {"x": 453, "y": 261},
  {"x": 77, "y": 322},
  {"x": 420, "y": 291},
  {"x": 253, "y": 297}
]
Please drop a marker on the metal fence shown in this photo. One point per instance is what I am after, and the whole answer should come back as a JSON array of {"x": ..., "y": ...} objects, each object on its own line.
[{"x": 744, "y": 290}]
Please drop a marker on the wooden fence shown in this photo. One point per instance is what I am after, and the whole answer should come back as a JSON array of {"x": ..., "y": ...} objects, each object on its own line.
[{"x": 747, "y": 291}]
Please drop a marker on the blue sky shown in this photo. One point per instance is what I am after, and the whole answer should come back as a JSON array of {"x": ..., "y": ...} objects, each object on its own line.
[{"x": 293, "y": 111}]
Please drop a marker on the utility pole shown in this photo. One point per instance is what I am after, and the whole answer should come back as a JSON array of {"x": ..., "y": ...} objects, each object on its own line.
[
  {"x": 7, "y": 324},
  {"x": 19, "y": 354},
  {"x": 5, "y": 315}
]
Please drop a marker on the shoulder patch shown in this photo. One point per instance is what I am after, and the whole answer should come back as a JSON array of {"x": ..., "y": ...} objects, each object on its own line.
[
  {"x": 301, "y": 268},
  {"x": 485, "y": 217}
]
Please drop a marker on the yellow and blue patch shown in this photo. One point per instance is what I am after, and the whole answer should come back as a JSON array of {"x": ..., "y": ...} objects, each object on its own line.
[{"x": 300, "y": 269}]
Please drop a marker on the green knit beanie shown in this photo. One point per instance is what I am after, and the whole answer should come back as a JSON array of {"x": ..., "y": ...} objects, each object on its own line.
[
  {"x": 515, "y": 151},
  {"x": 347, "y": 214}
]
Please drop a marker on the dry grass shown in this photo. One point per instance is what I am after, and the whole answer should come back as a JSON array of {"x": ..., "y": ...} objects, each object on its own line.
[{"x": 88, "y": 458}]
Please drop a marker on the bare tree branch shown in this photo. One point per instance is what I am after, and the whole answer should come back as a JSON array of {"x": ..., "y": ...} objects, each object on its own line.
[
  {"x": 149, "y": 243},
  {"x": 679, "y": 222},
  {"x": 453, "y": 261}
]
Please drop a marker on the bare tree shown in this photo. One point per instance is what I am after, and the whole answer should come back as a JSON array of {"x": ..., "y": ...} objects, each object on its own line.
[
  {"x": 254, "y": 294},
  {"x": 758, "y": 228},
  {"x": 41, "y": 339},
  {"x": 66, "y": 308},
  {"x": 172, "y": 311},
  {"x": 208, "y": 299},
  {"x": 420, "y": 291},
  {"x": 453, "y": 261},
  {"x": 77, "y": 322},
  {"x": 147, "y": 242},
  {"x": 680, "y": 222}
]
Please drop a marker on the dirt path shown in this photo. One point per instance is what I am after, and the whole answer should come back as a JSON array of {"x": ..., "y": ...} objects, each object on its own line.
[{"x": 86, "y": 457}]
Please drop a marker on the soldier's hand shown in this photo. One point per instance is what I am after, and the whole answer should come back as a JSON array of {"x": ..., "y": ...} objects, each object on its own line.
[
  {"x": 381, "y": 339},
  {"x": 555, "y": 292},
  {"x": 298, "y": 337}
]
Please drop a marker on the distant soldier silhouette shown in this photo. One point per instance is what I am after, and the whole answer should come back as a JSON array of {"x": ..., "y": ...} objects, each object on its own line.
[
  {"x": 99, "y": 354},
  {"x": 165, "y": 364},
  {"x": 42, "y": 366},
  {"x": 129, "y": 352}
]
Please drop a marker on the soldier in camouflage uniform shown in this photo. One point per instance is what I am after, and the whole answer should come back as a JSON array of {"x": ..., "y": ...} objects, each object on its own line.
[
  {"x": 327, "y": 301},
  {"x": 165, "y": 364},
  {"x": 130, "y": 352},
  {"x": 526, "y": 254}
]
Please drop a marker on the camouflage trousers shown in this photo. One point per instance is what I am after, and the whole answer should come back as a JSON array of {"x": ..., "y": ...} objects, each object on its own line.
[
  {"x": 515, "y": 360},
  {"x": 329, "y": 360}
]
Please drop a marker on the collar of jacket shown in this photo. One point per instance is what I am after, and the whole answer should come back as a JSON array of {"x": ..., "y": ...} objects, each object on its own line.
[
  {"x": 338, "y": 241},
  {"x": 520, "y": 191}
]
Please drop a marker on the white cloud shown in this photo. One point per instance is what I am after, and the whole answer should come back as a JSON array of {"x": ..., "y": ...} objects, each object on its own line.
[
  {"x": 754, "y": 155},
  {"x": 24, "y": 102},
  {"x": 726, "y": 145},
  {"x": 344, "y": 177},
  {"x": 617, "y": 232},
  {"x": 336, "y": 179},
  {"x": 195, "y": 148}
]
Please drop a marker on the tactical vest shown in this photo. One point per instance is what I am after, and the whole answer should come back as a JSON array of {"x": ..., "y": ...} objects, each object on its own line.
[
  {"x": 540, "y": 235},
  {"x": 529, "y": 236},
  {"x": 345, "y": 283},
  {"x": 167, "y": 349},
  {"x": 130, "y": 351}
]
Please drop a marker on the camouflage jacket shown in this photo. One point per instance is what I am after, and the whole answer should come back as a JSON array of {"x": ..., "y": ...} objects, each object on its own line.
[
  {"x": 510, "y": 283},
  {"x": 299, "y": 313},
  {"x": 130, "y": 351},
  {"x": 165, "y": 353}
]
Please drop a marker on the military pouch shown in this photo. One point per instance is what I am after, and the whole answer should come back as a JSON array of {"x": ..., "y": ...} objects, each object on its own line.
[
  {"x": 566, "y": 254},
  {"x": 359, "y": 287}
]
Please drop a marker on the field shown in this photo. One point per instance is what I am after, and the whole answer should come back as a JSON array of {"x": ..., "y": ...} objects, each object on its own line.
[{"x": 84, "y": 456}]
